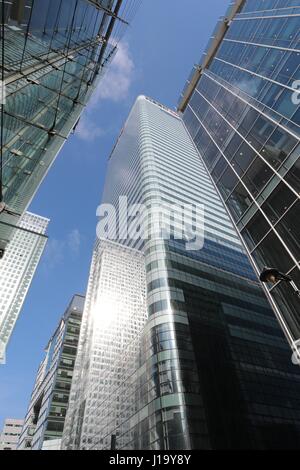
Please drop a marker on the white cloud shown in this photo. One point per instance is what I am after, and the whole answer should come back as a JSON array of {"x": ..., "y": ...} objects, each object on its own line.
[
  {"x": 114, "y": 86},
  {"x": 74, "y": 241},
  {"x": 87, "y": 130},
  {"x": 56, "y": 250},
  {"x": 116, "y": 82}
]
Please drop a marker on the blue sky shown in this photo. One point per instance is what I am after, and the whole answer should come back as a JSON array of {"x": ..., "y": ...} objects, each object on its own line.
[{"x": 156, "y": 55}]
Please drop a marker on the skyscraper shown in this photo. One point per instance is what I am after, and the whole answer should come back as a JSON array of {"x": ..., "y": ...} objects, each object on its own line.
[
  {"x": 241, "y": 107},
  {"x": 54, "y": 53},
  {"x": 202, "y": 364},
  {"x": 17, "y": 269},
  {"x": 46, "y": 412},
  {"x": 10, "y": 434},
  {"x": 109, "y": 345}
]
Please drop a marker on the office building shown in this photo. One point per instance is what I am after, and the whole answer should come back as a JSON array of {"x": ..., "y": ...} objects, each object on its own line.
[
  {"x": 17, "y": 269},
  {"x": 44, "y": 421},
  {"x": 10, "y": 434},
  {"x": 109, "y": 344},
  {"x": 52, "y": 444},
  {"x": 202, "y": 363},
  {"x": 241, "y": 107},
  {"x": 54, "y": 55}
]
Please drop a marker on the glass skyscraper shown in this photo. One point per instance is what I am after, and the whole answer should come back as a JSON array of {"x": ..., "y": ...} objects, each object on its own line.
[
  {"x": 241, "y": 107},
  {"x": 54, "y": 52},
  {"x": 114, "y": 315},
  {"x": 178, "y": 347},
  {"x": 45, "y": 417},
  {"x": 17, "y": 269}
]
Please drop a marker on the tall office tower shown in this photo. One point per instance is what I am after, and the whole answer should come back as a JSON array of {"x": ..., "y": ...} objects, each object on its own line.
[
  {"x": 206, "y": 366},
  {"x": 10, "y": 434},
  {"x": 54, "y": 52},
  {"x": 242, "y": 111},
  {"x": 45, "y": 417},
  {"x": 115, "y": 313},
  {"x": 17, "y": 269}
]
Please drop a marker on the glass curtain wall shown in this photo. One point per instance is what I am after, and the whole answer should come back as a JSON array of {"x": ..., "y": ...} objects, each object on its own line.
[
  {"x": 54, "y": 53},
  {"x": 244, "y": 117}
]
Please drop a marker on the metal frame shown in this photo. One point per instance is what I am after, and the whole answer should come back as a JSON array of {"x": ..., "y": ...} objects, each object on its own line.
[{"x": 217, "y": 39}]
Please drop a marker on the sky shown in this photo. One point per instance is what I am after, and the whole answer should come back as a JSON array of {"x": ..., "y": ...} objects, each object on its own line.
[{"x": 155, "y": 57}]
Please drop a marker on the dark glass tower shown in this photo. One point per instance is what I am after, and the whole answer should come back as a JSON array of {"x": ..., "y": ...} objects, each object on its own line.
[
  {"x": 201, "y": 363},
  {"x": 53, "y": 54},
  {"x": 45, "y": 417},
  {"x": 241, "y": 108}
]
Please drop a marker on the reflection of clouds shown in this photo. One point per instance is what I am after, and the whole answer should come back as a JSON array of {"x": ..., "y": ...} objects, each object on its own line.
[{"x": 249, "y": 86}]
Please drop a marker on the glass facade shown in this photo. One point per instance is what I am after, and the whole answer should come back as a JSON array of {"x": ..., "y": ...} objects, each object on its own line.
[
  {"x": 203, "y": 364},
  {"x": 115, "y": 313},
  {"x": 17, "y": 269},
  {"x": 44, "y": 420},
  {"x": 55, "y": 52},
  {"x": 242, "y": 112}
]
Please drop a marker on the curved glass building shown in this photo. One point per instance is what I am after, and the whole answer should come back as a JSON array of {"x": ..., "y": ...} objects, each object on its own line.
[
  {"x": 53, "y": 54},
  {"x": 179, "y": 348},
  {"x": 241, "y": 107}
]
